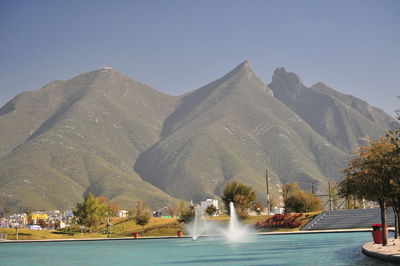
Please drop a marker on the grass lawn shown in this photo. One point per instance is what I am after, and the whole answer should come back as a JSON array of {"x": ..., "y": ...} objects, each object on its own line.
[{"x": 28, "y": 234}]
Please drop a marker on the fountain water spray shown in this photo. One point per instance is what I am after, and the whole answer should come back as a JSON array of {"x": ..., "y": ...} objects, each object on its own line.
[
  {"x": 196, "y": 224},
  {"x": 236, "y": 231}
]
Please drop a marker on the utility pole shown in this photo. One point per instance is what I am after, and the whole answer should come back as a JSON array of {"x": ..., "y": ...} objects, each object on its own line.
[
  {"x": 312, "y": 188},
  {"x": 329, "y": 194},
  {"x": 266, "y": 179}
]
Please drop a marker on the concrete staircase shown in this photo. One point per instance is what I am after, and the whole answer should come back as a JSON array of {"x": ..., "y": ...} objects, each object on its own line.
[{"x": 345, "y": 219}]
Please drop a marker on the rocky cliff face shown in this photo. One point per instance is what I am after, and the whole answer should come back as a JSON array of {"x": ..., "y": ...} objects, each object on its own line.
[{"x": 342, "y": 119}]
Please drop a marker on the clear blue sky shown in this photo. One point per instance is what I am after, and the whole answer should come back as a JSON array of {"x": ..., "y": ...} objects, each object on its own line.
[{"x": 177, "y": 46}]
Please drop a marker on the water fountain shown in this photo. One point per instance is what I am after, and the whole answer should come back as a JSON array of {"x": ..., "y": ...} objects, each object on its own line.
[
  {"x": 238, "y": 246},
  {"x": 235, "y": 232},
  {"x": 197, "y": 223}
]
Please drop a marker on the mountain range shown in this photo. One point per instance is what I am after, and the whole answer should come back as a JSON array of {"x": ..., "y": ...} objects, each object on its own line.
[{"x": 105, "y": 133}]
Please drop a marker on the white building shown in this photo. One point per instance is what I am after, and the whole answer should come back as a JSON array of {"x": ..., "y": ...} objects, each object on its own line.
[
  {"x": 123, "y": 213},
  {"x": 208, "y": 202}
]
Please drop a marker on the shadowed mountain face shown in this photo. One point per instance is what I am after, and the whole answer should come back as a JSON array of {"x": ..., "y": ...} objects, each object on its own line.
[
  {"x": 105, "y": 133},
  {"x": 342, "y": 119}
]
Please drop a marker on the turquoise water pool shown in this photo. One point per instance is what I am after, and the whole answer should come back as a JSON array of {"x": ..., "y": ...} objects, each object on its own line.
[{"x": 299, "y": 249}]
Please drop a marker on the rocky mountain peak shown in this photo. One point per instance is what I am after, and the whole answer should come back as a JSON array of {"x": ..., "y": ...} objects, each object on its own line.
[
  {"x": 245, "y": 64},
  {"x": 103, "y": 73},
  {"x": 244, "y": 69},
  {"x": 243, "y": 77},
  {"x": 286, "y": 80}
]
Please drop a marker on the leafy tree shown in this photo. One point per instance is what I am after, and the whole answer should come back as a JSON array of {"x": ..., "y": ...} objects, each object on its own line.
[
  {"x": 394, "y": 200},
  {"x": 187, "y": 215},
  {"x": 57, "y": 224},
  {"x": 29, "y": 217},
  {"x": 302, "y": 201},
  {"x": 143, "y": 214},
  {"x": 373, "y": 174},
  {"x": 112, "y": 207},
  {"x": 352, "y": 202},
  {"x": 211, "y": 210},
  {"x": 171, "y": 210},
  {"x": 42, "y": 223},
  {"x": 288, "y": 189},
  {"x": 297, "y": 200},
  {"x": 102, "y": 199},
  {"x": 258, "y": 207},
  {"x": 90, "y": 212},
  {"x": 241, "y": 195},
  {"x": 177, "y": 208},
  {"x": 180, "y": 207}
]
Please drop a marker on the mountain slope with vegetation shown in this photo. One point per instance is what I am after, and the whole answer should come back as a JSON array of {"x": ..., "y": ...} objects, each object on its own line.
[
  {"x": 234, "y": 128},
  {"x": 104, "y": 133},
  {"x": 103, "y": 121}
]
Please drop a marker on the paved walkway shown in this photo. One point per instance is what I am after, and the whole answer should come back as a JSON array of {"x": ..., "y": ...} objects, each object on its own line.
[{"x": 391, "y": 252}]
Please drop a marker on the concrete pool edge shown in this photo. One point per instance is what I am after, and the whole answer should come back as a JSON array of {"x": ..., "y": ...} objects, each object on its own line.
[
  {"x": 390, "y": 253},
  {"x": 176, "y": 237}
]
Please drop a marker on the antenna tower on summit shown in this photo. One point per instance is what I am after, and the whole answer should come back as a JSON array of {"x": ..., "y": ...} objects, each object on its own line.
[{"x": 105, "y": 67}]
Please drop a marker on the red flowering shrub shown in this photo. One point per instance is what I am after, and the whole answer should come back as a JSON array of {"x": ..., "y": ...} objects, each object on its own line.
[{"x": 281, "y": 220}]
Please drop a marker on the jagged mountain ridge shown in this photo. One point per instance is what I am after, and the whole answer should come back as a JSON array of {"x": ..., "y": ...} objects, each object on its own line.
[
  {"x": 106, "y": 133},
  {"x": 342, "y": 119}
]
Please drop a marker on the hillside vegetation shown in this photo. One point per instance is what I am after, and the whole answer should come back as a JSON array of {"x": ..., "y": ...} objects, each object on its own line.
[{"x": 104, "y": 133}]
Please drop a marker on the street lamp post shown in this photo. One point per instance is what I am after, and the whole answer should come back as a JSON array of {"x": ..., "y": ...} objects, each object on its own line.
[
  {"x": 108, "y": 227},
  {"x": 16, "y": 231}
]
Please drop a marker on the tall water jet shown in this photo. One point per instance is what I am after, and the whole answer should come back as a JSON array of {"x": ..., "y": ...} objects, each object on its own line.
[
  {"x": 196, "y": 227},
  {"x": 236, "y": 231},
  {"x": 196, "y": 224}
]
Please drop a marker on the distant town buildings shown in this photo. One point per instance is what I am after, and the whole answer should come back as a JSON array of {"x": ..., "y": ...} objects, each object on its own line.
[
  {"x": 39, "y": 220},
  {"x": 17, "y": 220}
]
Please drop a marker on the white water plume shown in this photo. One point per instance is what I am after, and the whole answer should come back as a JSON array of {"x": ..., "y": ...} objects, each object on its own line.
[{"x": 235, "y": 232}]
